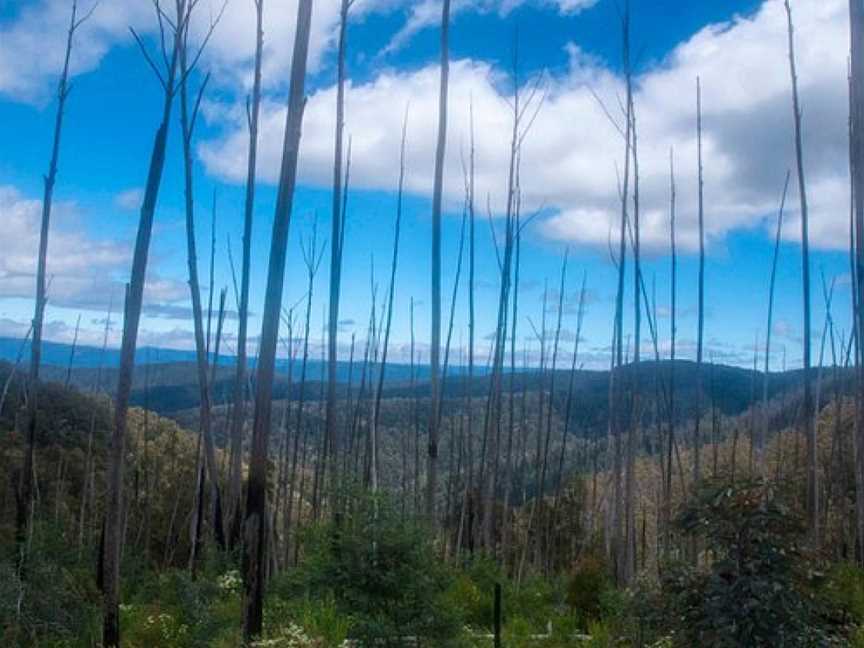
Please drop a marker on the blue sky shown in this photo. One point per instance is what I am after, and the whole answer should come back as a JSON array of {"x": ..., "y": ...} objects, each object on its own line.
[{"x": 570, "y": 159}]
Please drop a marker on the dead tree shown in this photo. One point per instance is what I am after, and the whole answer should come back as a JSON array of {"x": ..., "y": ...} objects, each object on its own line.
[
  {"x": 763, "y": 428},
  {"x": 63, "y": 90},
  {"x": 437, "y": 198},
  {"x": 635, "y": 404},
  {"x": 807, "y": 406},
  {"x": 254, "y": 559},
  {"x": 391, "y": 291},
  {"x": 189, "y": 112},
  {"x": 673, "y": 335},
  {"x": 616, "y": 391},
  {"x": 700, "y": 331},
  {"x": 312, "y": 259},
  {"x": 172, "y": 32},
  {"x": 856, "y": 11},
  {"x": 88, "y": 459},
  {"x": 336, "y": 245},
  {"x": 238, "y": 412}
]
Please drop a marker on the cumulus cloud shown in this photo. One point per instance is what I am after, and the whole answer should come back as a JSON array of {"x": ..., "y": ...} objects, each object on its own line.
[
  {"x": 77, "y": 281},
  {"x": 573, "y": 155},
  {"x": 28, "y": 68}
]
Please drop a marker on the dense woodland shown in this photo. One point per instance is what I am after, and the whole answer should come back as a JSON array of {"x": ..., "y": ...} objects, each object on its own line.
[{"x": 473, "y": 497}]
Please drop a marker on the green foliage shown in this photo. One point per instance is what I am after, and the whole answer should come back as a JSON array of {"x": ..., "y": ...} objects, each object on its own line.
[
  {"x": 50, "y": 598},
  {"x": 381, "y": 571},
  {"x": 757, "y": 588},
  {"x": 590, "y": 579},
  {"x": 843, "y": 592}
]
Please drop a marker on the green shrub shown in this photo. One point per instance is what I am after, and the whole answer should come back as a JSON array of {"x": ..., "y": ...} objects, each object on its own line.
[
  {"x": 757, "y": 589},
  {"x": 586, "y": 587},
  {"x": 381, "y": 572},
  {"x": 843, "y": 592}
]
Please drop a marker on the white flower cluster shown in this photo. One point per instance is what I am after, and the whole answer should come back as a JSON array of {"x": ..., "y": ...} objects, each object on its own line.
[
  {"x": 231, "y": 582},
  {"x": 290, "y": 636},
  {"x": 169, "y": 629}
]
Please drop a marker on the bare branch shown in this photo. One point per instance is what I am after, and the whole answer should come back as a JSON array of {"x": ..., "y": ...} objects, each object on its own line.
[{"x": 147, "y": 58}]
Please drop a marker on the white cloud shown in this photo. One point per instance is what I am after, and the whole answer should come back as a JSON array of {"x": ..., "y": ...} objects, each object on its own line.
[
  {"x": 32, "y": 42},
  {"x": 571, "y": 156},
  {"x": 78, "y": 280}
]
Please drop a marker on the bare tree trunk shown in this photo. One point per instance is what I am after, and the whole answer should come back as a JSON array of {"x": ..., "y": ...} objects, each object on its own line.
[
  {"x": 373, "y": 433},
  {"x": 435, "y": 349},
  {"x": 616, "y": 391},
  {"x": 188, "y": 118},
  {"x": 256, "y": 501},
  {"x": 808, "y": 413},
  {"x": 88, "y": 460},
  {"x": 312, "y": 259},
  {"x": 132, "y": 312},
  {"x": 700, "y": 332},
  {"x": 568, "y": 408},
  {"x": 238, "y": 412},
  {"x": 511, "y": 419},
  {"x": 25, "y": 502},
  {"x": 673, "y": 334},
  {"x": 336, "y": 244},
  {"x": 856, "y": 12},
  {"x": 635, "y": 404}
]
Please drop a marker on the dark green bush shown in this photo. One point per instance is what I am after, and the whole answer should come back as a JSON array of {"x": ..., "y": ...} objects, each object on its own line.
[
  {"x": 381, "y": 571},
  {"x": 757, "y": 587}
]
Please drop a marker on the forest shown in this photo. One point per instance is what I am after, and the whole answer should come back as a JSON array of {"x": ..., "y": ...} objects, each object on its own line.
[{"x": 303, "y": 488}]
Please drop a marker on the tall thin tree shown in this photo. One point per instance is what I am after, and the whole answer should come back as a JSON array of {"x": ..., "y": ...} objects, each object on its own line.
[
  {"x": 856, "y": 148},
  {"x": 336, "y": 243},
  {"x": 763, "y": 427},
  {"x": 254, "y": 558},
  {"x": 437, "y": 199},
  {"x": 171, "y": 31},
  {"x": 189, "y": 111},
  {"x": 238, "y": 411},
  {"x": 807, "y": 406},
  {"x": 63, "y": 89}
]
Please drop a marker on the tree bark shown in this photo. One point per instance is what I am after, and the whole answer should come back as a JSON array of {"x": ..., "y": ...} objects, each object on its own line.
[
  {"x": 255, "y": 521},
  {"x": 132, "y": 318}
]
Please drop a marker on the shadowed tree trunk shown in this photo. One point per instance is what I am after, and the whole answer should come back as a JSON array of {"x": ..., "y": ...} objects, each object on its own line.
[
  {"x": 110, "y": 557},
  {"x": 238, "y": 412},
  {"x": 254, "y": 558},
  {"x": 437, "y": 196}
]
